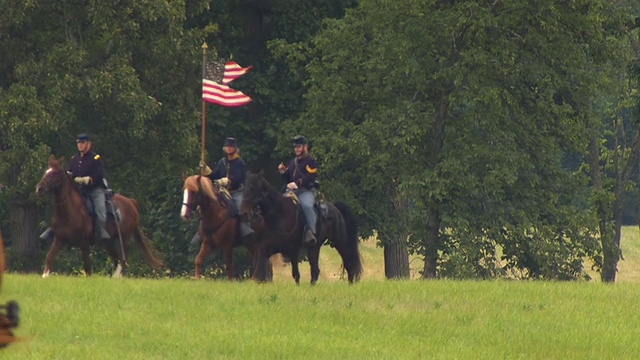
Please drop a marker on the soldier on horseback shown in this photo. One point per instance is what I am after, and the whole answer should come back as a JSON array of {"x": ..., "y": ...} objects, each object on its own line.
[
  {"x": 301, "y": 175},
  {"x": 229, "y": 173},
  {"x": 87, "y": 170}
]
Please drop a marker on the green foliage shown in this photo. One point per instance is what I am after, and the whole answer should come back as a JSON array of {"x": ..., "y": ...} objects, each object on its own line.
[{"x": 467, "y": 109}]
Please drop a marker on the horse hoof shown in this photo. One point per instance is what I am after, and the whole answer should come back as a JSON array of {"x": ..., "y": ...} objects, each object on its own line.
[{"x": 45, "y": 274}]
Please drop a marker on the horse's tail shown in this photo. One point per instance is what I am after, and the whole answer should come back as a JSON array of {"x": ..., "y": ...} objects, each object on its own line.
[
  {"x": 353, "y": 263},
  {"x": 141, "y": 240},
  {"x": 135, "y": 203}
]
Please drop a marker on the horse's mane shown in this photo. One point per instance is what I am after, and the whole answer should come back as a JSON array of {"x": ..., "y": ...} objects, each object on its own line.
[{"x": 197, "y": 183}]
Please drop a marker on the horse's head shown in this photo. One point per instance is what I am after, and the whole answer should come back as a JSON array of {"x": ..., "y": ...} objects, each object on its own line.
[
  {"x": 255, "y": 190},
  {"x": 196, "y": 189},
  {"x": 53, "y": 178}
]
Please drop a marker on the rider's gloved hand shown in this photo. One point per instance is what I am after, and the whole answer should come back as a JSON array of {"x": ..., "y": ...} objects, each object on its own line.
[
  {"x": 292, "y": 186},
  {"x": 206, "y": 170},
  {"x": 224, "y": 182},
  {"x": 84, "y": 180}
]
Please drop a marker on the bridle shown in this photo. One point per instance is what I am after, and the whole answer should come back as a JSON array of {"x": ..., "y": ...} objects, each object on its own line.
[{"x": 195, "y": 207}]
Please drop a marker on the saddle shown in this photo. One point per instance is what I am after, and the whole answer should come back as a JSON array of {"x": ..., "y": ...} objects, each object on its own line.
[
  {"x": 228, "y": 202},
  {"x": 109, "y": 203},
  {"x": 320, "y": 207}
]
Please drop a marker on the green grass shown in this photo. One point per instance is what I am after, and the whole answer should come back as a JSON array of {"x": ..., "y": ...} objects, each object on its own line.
[{"x": 103, "y": 318}]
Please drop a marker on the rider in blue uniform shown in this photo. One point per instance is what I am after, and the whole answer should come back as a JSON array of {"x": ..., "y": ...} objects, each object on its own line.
[
  {"x": 87, "y": 170},
  {"x": 301, "y": 175},
  {"x": 230, "y": 172}
]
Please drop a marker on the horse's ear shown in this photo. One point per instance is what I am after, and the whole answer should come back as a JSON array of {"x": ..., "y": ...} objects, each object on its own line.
[
  {"x": 52, "y": 159},
  {"x": 185, "y": 175},
  {"x": 261, "y": 173}
]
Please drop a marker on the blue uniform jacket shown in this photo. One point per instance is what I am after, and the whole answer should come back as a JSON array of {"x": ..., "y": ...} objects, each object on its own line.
[
  {"x": 88, "y": 165},
  {"x": 303, "y": 171},
  {"x": 235, "y": 169}
]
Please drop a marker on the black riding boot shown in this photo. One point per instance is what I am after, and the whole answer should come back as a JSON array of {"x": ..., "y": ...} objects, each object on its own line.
[
  {"x": 309, "y": 237},
  {"x": 245, "y": 229}
]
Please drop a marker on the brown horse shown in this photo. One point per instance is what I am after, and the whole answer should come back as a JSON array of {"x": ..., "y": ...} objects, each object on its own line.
[
  {"x": 284, "y": 228},
  {"x": 72, "y": 224},
  {"x": 217, "y": 228},
  {"x": 10, "y": 319}
]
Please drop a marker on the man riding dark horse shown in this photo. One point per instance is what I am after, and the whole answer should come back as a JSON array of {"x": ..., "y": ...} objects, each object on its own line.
[
  {"x": 301, "y": 175},
  {"x": 229, "y": 173},
  {"x": 87, "y": 170}
]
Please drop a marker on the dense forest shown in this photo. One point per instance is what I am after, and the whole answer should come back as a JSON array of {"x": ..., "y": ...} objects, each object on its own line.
[{"x": 492, "y": 138}]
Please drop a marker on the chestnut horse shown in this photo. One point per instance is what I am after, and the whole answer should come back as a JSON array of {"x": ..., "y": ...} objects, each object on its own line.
[
  {"x": 217, "y": 228},
  {"x": 72, "y": 224},
  {"x": 284, "y": 228},
  {"x": 10, "y": 319}
]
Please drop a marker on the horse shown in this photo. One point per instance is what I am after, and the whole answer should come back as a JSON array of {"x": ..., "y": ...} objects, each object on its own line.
[
  {"x": 284, "y": 232},
  {"x": 218, "y": 229},
  {"x": 73, "y": 226},
  {"x": 9, "y": 319}
]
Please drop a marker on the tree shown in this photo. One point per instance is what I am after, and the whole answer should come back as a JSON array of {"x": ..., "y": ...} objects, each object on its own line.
[
  {"x": 467, "y": 94},
  {"x": 107, "y": 68}
]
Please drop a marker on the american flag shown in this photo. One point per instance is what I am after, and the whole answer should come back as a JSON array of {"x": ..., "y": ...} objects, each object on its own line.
[{"x": 214, "y": 88}]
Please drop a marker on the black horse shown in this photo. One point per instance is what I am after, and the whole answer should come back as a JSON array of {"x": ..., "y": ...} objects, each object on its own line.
[{"x": 284, "y": 228}]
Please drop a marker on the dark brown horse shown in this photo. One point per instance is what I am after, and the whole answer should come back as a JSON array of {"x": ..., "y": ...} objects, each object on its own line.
[
  {"x": 72, "y": 224},
  {"x": 284, "y": 229},
  {"x": 9, "y": 319},
  {"x": 217, "y": 228}
]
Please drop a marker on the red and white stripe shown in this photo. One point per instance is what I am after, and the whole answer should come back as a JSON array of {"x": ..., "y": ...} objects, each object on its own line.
[
  {"x": 223, "y": 94},
  {"x": 233, "y": 71}
]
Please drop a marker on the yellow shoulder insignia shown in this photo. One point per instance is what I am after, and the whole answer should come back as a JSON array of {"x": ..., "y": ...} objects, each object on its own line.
[
  {"x": 96, "y": 157},
  {"x": 310, "y": 170}
]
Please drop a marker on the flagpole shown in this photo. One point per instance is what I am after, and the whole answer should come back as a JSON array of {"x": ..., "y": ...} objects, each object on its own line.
[{"x": 204, "y": 108}]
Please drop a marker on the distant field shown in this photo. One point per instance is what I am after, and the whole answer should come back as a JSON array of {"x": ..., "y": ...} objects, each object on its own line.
[{"x": 372, "y": 258}]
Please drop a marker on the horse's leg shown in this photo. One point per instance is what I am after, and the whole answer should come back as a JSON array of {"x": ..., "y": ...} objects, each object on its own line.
[
  {"x": 295, "y": 271},
  {"x": 228, "y": 261},
  {"x": 313, "y": 255},
  {"x": 84, "y": 250},
  {"x": 55, "y": 248},
  {"x": 117, "y": 262},
  {"x": 257, "y": 262},
  {"x": 205, "y": 250}
]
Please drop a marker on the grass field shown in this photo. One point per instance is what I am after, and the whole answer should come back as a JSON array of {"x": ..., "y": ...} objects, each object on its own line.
[{"x": 103, "y": 318}]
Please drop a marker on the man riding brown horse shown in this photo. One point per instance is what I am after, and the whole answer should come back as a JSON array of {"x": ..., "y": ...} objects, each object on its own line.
[
  {"x": 87, "y": 170},
  {"x": 229, "y": 173}
]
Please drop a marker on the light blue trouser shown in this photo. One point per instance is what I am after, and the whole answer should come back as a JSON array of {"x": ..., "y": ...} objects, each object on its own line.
[
  {"x": 236, "y": 195},
  {"x": 97, "y": 196},
  {"x": 307, "y": 201}
]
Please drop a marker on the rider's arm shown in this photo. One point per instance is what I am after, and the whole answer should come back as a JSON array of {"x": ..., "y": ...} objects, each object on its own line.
[
  {"x": 97, "y": 170},
  {"x": 238, "y": 172},
  {"x": 309, "y": 171},
  {"x": 219, "y": 172}
]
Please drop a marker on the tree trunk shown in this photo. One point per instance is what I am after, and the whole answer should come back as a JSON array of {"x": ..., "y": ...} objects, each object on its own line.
[
  {"x": 396, "y": 253},
  {"x": 24, "y": 216},
  {"x": 396, "y": 257},
  {"x": 434, "y": 219},
  {"x": 611, "y": 245},
  {"x": 432, "y": 242}
]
